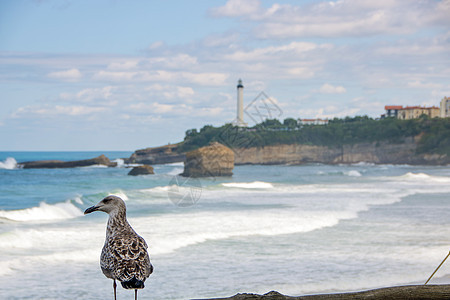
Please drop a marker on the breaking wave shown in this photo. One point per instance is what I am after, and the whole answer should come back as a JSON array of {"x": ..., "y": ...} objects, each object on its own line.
[
  {"x": 43, "y": 212},
  {"x": 353, "y": 173},
  {"x": 249, "y": 185},
  {"x": 424, "y": 177},
  {"x": 175, "y": 171},
  {"x": 8, "y": 164}
]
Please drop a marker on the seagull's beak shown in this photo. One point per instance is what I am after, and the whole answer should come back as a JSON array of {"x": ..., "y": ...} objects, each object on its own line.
[{"x": 91, "y": 209}]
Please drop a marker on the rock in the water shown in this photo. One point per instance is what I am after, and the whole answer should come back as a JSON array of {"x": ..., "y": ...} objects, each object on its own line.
[
  {"x": 141, "y": 170},
  {"x": 53, "y": 164},
  {"x": 157, "y": 155},
  {"x": 209, "y": 161}
]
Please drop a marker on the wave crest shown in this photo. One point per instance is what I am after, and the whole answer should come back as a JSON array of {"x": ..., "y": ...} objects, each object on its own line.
[
  {"x": 8, "y": 164},
  {"x": 43, "y": 212},
  {"x": 426, "y": 177},
  {"x": 249, "y": 185}
]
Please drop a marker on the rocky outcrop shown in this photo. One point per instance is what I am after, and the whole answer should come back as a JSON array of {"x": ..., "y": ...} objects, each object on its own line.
[
  {"x": 210, "y": 161},
  {"x": 411, "y": 292},
  {"x": 378, "y": 153},
  {"x": 141, "y": 170},
  {"x": 157, "y": 155},
  {"x": 403, "y": 152},
  {"x": 54, "y": 164}
]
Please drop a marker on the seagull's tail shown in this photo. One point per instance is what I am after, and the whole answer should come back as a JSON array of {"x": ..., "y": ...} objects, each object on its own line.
[{"x": 133, "y": 284}]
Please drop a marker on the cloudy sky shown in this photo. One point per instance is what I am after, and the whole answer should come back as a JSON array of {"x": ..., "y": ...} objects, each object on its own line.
[{"x": 124, "y": 75}]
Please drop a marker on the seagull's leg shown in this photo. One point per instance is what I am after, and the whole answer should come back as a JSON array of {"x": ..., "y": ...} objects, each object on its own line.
[
  {"x": 135, "y": 294},
  {"x": 114, "y": 286}
]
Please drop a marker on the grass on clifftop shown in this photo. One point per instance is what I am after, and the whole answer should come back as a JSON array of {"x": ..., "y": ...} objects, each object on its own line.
[{"x": 434, "y": 133}]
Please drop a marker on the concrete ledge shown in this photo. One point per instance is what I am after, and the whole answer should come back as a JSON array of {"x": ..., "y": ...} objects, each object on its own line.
[{"x": 410, "y": 292}]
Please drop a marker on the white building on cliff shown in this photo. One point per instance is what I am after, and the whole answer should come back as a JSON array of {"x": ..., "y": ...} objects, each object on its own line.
[{"x": 445, "y": 107}]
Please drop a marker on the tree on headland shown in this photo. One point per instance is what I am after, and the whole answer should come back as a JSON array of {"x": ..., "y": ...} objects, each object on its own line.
[{"x": 433, "y": 133}]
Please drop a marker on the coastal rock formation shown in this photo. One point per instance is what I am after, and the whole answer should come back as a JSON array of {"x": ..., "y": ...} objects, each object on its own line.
[
  {"x": 402, "y": 152},
  {"x": 141, "y": 170},
  {"x": 378, "y": 153},
  {"x": 411, "y": 292},
  {"x": 209, "y": 161},
  {"x": 54, "y": 164},
  {"x": 157, "y": 155}
]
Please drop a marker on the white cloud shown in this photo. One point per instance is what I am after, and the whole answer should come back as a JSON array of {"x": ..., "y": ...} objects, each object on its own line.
[
  {"x": 413, "y": 49},
  {"x": 330, "y": 89},
  {"x": 202, "y": 78},
  {"x": 123, "y": 65},
  {"x": 156, "y": 45},
  {"x": 421, "y": 85},
  {"x": 265, "y": 53},
  {"x": 338, "y": 18},
  {"x": 158, "y": 108},
  {"x": 328, "y": 112},
  {"x": 208, "y": 111},
  {"x": 105, "y": 97},
  {"x": 170, "y": 92},
  {"x": 441, "y": 93},
  {"x": 95, "y": 93},
  {"x": 235, "y": 8},
  {"x": 67, "y": 75},
  {"x": 179, "y": 92},
  {"x": 162, "y": 108},
  {"x": 227, "y": 40},
  {"x": 114, "y": 75},
  {"x": 57, "y": 110}
]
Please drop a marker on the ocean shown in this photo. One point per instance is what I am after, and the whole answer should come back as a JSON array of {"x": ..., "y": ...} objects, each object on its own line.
[{"x": 295, "y": 229}]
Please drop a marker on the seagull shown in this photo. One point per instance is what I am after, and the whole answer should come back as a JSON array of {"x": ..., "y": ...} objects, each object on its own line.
[{"x": 124, "y": 256}]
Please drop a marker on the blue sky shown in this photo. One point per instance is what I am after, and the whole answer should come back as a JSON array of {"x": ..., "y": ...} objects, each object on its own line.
[{"x": 124, "y": 75}]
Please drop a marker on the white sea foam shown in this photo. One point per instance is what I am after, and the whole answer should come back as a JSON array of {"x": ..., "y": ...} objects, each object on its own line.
[
  {"x": 175, "y": 171},
  {"x": 178, "y": 164},
  {"x": 78, "y": 199},
  {"x": 8, "y": 164},
  {"x": 410, "y": 176},
  {"x": 95, "y": 166},
  {"x": 120, "y": 162},
  {"x": 249, "y": 185},
  {"x": 43, "y": 212},
  {"x": 363, "y": 164},
  {"x": 353, "y": 173},
  {"x": 169, "y": 233},
  {"x": 121, "y": 194}
]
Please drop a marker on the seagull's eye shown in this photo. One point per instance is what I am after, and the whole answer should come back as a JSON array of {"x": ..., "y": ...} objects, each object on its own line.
[{"x": 106, "y": 200}]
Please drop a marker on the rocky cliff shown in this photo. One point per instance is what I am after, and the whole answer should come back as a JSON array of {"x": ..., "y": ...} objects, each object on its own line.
[
  {"x": 157, "y": 155},
  {"x": 209, "y": 161},
  {"x": 403, "y": 152},
  {"x": 378, "y": 153}
]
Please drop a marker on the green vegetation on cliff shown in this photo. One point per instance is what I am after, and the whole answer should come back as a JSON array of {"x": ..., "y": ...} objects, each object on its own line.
[{"x": 434, "y": 133}]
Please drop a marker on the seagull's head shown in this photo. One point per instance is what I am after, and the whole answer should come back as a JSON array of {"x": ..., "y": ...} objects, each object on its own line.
[{"x": 108, "y": 204}]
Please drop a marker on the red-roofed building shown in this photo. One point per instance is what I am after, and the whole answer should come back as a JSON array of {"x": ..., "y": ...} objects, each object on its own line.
[
  {"x": 411, "y": 112},
  {"x": 392, "y": 110},
  {"x": 414, "y": 112}
]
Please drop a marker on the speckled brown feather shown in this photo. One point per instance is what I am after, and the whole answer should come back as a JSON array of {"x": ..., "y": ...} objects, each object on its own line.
[{"x": 124, "y": 255}]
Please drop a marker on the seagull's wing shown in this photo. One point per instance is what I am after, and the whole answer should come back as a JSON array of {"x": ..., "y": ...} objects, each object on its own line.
[{"x": 128, "y": 257}]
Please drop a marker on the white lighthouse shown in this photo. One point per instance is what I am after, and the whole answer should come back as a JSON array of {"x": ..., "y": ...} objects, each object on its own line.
[{"x": 240, "y": 106}]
